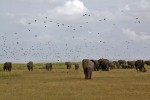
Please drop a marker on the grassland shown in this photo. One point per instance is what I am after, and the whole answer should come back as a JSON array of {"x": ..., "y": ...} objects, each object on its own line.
[{"x": 117, "y": 84}]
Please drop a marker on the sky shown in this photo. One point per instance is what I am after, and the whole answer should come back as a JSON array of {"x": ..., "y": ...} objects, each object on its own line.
[{"x": 72, "y": 30}]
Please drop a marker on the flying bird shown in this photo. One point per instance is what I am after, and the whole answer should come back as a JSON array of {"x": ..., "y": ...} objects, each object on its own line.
[{"x": 29, "y": 22}]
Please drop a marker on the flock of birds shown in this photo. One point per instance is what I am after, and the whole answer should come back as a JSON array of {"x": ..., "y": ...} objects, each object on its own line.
[{"x": 12, "y": 47}]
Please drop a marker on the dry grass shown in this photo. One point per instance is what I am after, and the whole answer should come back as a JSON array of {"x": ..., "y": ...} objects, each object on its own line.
[{"x": 118, "y": 84}]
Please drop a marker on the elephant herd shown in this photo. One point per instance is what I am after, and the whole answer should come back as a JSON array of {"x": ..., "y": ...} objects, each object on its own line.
[
  {"x": 48, "y": 66},
  {"x": 90, "y": 65}
]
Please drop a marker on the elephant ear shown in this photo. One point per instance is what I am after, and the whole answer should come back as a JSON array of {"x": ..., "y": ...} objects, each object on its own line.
[{"x": 93, "y": 61}]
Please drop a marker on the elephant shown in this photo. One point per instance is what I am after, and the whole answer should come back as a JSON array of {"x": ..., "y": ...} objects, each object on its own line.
[
  {"x": 76, "y": 66},
  {"x": 116, "y": 63},
  {"x": 111, "y": 64},
  {"x": 7, "y": 66},
  {"x": 68, "y": 66},
  {"x": 139, "y": 65},
  {"x": 125, "y": 66},
  {"x": 96, "y": 65},
  {"x": 147, "y": 62},
  {"x": 131, "y": 64},
  {"x": 30, "y": 66},
  {"x": 48, "y": 66},
  {"x": 122, "y": 62},
  {"x": 88, "y": 67},
  {"x": 104, "y": 64}
]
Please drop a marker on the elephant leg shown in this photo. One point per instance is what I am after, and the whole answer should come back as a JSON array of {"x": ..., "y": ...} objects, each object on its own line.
[
  {"x": 67, "y": 70},
  {"x": 32, "y": 69},
  {"x": 28, "y": 68},
  {"x": 142, "y": 69},
  {"x": 86, "y": 76},
  {"x": 4, "y": 68},
  {"x": 89, "y": 73},
  {"x": 9, "y": 69},
  {"x": 86, "y": 73},
  {"x": 137, "y": 69}
]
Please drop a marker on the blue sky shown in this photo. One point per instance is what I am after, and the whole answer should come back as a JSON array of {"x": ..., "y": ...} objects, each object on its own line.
[{"x": 71, "y": 30}]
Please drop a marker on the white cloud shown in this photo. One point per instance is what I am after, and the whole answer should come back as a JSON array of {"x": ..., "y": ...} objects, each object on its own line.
[
  {"x": 140, "y": 5},
  {"x": 38, "y": 1},
  {"x": 145, "y": 4},
  {"x": 127, "y": 8},
  {"x": 10, "y": 14},
  {"x": 44, "y": 37},
  {"x": 51, "y": 1},
  {"x": 71, "y": 8},
  {"x": 30, "y": 22},
  {"x": 141, "y": 36},
  {"x": 23, "y": 21}
]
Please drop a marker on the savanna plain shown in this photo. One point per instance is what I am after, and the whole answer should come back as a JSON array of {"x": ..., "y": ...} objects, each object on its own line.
[{"x": 116, "y": 84}]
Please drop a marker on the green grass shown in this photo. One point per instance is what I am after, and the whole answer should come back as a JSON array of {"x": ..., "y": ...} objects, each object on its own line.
[{"x": 118, "y": 84}]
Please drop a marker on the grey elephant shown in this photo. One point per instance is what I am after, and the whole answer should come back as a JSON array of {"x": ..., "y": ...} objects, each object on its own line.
[
  {"x": 30, "y": 66},
  {"x": 96, "y": 65},
  {"x": 122, "y": 62},
  {"x": 88, "y": 67},
  {"x": 139, "y": 65},
  {"x": 48, "y": 66},
  {"x": 117, "y": 65},
  {"x": 68, "y": 66},
  {"x": 126, "y": 66},
  {"x": 147, "y": 62},
  {"x": 76, "y": 66},
  {"x": 131, "y": 63},
  {"x": 7, "y": 66},
  {"x": 104, "y": 64}
]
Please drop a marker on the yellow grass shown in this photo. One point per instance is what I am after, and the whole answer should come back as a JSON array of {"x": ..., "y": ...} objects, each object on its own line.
[{"x": 118, "y": 84}]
